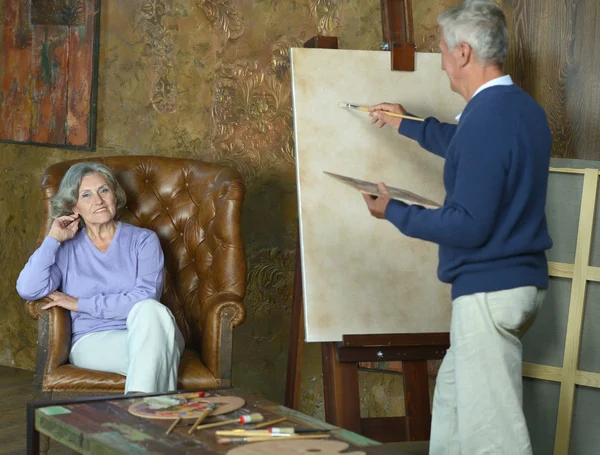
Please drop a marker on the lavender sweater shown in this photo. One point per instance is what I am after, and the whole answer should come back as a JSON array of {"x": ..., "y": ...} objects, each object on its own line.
[{"x": 107, "y": 285}]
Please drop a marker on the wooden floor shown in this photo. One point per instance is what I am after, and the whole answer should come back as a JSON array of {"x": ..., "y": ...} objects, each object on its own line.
[{"x": 16, "y": 389}]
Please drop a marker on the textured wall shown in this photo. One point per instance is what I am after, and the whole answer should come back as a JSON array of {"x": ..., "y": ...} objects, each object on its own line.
[{"x": 207, "y": 79}]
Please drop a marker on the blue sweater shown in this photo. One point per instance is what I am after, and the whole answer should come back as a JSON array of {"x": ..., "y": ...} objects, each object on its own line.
[{"x": 491, "y": 230}]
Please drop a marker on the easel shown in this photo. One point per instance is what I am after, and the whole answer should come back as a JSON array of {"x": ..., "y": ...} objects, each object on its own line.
[{"x": 340, "y": 360}]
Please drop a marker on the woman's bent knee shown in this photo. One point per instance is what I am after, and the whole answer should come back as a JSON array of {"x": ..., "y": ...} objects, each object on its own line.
[
  {"x": 148, "y": 305},
  {"x": 149, "y": 308}
]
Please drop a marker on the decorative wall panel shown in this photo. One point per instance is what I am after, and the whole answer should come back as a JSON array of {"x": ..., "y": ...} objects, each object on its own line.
[{"x": 49, "y": 72}]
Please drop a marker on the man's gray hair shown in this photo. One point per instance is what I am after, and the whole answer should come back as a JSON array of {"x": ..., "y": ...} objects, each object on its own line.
[
  {"x": 68, "y": 191},
  {"x": 479, "y": 23}
]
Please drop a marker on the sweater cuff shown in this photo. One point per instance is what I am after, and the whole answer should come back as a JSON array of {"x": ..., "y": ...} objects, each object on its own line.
[
  {"x": 396, "y": 213},
  {"x": 410, "y": 128}
]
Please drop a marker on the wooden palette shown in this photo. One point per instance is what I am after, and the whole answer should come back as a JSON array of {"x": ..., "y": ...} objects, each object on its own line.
[
  {"x": 190, "y": 410},
  {"x": 395, "y": 193},
  {"x": 297, "y": 447}
]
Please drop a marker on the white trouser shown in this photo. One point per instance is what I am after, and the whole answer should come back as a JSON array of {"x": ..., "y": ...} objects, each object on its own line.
[
  {"x": 478, "y": 399},
  {"x": 147, "y": 353}
]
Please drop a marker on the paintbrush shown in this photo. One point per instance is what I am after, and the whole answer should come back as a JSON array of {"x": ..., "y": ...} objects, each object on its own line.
[
  {"x": 252, "y": 418},
  {"x": 391, "y": 114},
  {"x": 211, "y": 407},
  {"x": 268, "y": 438},
  {"x": 173, "y": 425},
  {"x": 250, "y": 433},
  {"x": 270, "y": 422},
  {"x": 271, "y": 431}
]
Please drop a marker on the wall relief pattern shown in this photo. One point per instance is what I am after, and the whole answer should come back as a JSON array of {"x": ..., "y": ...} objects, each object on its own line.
[
  {"x": 327, "y": 13},
  {"x": 252, "y": 109},
  {"x": 427, "y": 29},
  {"x": 159, "y": 41},
  {"x": 224, "y": 17}
]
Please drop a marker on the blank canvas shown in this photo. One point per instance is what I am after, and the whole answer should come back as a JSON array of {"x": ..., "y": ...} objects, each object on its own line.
[{"x": 360, "y": 274}]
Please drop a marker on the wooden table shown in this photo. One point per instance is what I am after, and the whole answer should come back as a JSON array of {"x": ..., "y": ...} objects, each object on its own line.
[{"x": 102, "y": 425}]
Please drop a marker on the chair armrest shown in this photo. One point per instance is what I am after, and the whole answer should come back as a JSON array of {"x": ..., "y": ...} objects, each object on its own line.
[
  {"x": 34, "y": 307},
  {"x": 220, "y": 314},
  {"x": 54, "y": 336}
]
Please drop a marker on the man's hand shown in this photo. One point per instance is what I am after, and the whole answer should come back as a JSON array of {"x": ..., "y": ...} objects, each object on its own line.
[
  {"x": 62, "y": 300},
  {"x": 378, "y": 114},
  {"x": 378, "y": 204}
]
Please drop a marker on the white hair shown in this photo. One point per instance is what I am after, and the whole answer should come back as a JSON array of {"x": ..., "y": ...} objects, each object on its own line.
[{"x": 479, "y": 23}]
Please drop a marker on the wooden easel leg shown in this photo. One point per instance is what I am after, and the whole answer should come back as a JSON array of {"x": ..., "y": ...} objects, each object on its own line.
[
  {"x": 292, "y": 386},
  {"x": 416, "y": 398},
  {"x": 340, "y": 390}
]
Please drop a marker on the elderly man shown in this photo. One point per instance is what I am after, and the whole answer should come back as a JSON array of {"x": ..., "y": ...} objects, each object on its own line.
[{"x": 491, "y": 231}]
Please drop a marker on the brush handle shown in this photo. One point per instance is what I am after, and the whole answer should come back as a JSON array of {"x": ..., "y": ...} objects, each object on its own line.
[
  {"x": 270, "y": 422},
  {"x": 256, "y": 417},
  {"x": 201, "y": 417},
  {"x": 269, "y": 438},
  {"x": 391, "y": 114},
  {"x": 407, "y": 117},
  {"x": 173, "y": 425},
  {"x": 217, "y": 424}
]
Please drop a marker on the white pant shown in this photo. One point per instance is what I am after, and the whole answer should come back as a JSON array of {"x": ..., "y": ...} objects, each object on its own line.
[
  {"x": 147, "y": 353},
  {"x": 478, "y": 399}
]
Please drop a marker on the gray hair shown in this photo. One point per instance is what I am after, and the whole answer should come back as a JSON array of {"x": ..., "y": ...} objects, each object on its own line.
[
  {"x": 479, "y": 23},
  {"x": 68, "y": 191}
]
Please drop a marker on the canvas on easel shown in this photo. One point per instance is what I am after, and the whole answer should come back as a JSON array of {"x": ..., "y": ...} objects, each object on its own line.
[{"x": 361, "y": 275}]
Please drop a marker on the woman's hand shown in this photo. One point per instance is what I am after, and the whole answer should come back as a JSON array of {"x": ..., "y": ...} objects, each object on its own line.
[
  {"x": 64, "y": 227},
  {"x": 62, "y": 300}
]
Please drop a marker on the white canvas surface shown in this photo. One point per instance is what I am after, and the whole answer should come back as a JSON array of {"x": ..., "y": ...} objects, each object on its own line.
[{"x": 361, "y": 275}]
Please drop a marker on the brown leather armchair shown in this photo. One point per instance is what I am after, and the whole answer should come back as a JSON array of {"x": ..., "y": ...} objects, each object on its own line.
[{"x": 195, "y": 208}]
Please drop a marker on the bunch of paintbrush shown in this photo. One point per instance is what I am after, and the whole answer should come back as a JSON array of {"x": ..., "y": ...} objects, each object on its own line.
[{"x": 245, "y": 419}]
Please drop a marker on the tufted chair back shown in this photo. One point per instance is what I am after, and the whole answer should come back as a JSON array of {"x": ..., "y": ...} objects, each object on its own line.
[{"x": 195, "y": 208}]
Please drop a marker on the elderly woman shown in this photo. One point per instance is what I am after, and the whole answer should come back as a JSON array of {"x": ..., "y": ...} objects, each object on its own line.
[{"x": 109, "y": 274}]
